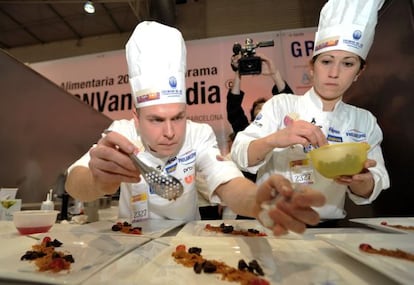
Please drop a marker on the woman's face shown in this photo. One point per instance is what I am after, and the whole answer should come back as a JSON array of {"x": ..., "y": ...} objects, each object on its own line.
[
  {"x": 333, "y": 73},
  {"x": 162, "y": 128}
]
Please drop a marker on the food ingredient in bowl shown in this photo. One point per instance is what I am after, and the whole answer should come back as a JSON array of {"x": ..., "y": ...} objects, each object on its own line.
[
  {"x": 339, "y": 159},
  {"x": 331, "y": 169},
  {"x": 34, "y": 221}
]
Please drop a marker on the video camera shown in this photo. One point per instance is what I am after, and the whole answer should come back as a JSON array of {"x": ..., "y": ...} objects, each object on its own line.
[{"x": 249, "y": 63}]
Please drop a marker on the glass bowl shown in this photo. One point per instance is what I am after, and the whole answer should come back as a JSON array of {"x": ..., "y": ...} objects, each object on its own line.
[{"x": 34, "y": 221}]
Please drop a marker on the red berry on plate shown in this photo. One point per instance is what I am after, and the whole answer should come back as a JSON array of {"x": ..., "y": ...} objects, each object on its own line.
[
  {"x": 57, "y": 264},
  {"x": 46, "y": 239},
  {"x": 365, "y": 246},
  {"x": 136, "y": 231},
  {"x": 180, "y": 247}
]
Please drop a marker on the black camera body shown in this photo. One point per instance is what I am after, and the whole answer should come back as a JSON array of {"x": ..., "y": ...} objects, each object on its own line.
[{"x": 249, "y": 63}]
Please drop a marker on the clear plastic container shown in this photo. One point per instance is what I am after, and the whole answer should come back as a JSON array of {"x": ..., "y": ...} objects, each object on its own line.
[{"x": 339, "y": 159}]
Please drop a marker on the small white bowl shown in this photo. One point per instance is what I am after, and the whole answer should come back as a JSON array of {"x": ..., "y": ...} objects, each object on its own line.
[{"x": 34, "y": 221}]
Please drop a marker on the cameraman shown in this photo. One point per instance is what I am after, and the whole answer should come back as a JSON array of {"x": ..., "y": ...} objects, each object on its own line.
[{"x": 235, "y": 112}]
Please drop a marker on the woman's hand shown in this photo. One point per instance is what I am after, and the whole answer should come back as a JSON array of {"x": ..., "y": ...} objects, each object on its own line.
[
  {"x": 299, "y": 132},
  {"x": 361, "y": 184}
]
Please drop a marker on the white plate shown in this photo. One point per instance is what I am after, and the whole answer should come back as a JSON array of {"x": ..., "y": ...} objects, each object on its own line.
[
  {"x": 196, "y": 228},
  {"x": 91, "y": 253},
  {"x": 164, "y": 270},
  {"x": 150, "y": 228},
  {"x": 7, "y": 227},
  {"x": 400, "y": 270},
  {"x": 376, "y": 223}
]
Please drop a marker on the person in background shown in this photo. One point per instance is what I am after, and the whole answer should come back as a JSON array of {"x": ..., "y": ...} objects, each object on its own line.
[
  {"x": 289, "y": 126},
  {"x": 208, "y": 211},
  {"x": 235, "y": 113},
  {"x": 161, "y": 136},
  {"x": 212, "y": 211}
]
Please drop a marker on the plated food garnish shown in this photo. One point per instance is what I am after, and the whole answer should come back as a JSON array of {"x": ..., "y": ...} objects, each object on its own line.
[
  {"x": 126, "y": 228},
  {"x": 229, "y": 229},
  {"x": 400, "y": 227},
  {"x": 397, "y": 253},
  {"x": 47, "y": 258},
  {"x": 245, "y": 273}
]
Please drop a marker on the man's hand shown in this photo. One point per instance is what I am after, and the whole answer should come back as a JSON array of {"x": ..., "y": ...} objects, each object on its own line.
[
  {"x": 290, "y": 209},
  {"x": 110, "y": 164}
]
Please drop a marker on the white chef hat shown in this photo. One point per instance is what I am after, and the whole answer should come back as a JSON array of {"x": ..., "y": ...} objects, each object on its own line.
[
  {"x": 347, "y": 25},
  {"x": 156, "y": 57}
]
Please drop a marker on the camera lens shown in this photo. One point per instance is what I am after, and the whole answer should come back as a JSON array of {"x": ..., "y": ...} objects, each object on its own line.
[{"x": 237, "y": 48}]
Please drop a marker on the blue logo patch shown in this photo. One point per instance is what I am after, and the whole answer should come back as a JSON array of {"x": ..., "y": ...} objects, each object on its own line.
[
  {"x": 308, "y": 148},
  {"x": 173, "y": 82},
  {"x": 354, "y": 42},
  {"x": 356, "y": 135},
  {"x": 171, "y": 160},
  {"x": 258, "y": 117},
  {"x": 171, "y": 168},
  {"x": 333, "y": 131},
  {"x": 357, "y": 34},
  {"x": 332, "y": 138},
  {"x": 187, "y": 158}
]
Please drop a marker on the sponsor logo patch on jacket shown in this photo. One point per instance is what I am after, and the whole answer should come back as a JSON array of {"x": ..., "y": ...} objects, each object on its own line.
[
  {"x": 332, "y": 138},
  {"x": 187, "y": 158},
  {"x": 356, "y": 135},
  {"x": 333, "y": 131},
  {"x": 257, "y": 120},
  {"x": 171, "y": 160},
  {"x": 171, "y": 168}
]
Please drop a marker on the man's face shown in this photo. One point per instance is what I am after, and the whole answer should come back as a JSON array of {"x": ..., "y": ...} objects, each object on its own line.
[{"x": 162, "y": 128}]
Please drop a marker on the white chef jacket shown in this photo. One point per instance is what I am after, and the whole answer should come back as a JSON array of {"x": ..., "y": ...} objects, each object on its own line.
[
  {"x": 346, "y": 123},
  {"x": 198, "y": 152}
]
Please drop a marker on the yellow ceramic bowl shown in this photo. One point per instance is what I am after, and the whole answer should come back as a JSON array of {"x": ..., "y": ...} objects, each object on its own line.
[{"x": 339, "y": 159}]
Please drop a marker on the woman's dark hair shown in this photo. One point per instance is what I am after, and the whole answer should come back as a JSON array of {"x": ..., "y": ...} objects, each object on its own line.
[
  {"x": 361, "y": 67},
  {"x": 255, "y": 103}
]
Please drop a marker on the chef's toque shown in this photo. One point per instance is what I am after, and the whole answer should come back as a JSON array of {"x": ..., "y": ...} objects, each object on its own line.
[
  {"x": 156, "y": 57},
  {"x": 347, "y": 25}
]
